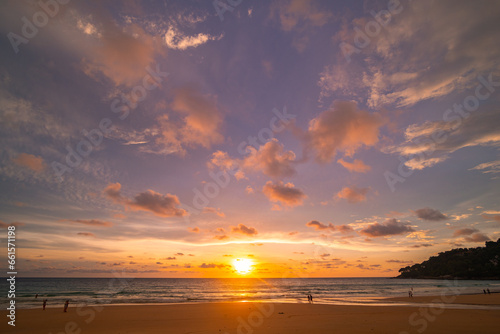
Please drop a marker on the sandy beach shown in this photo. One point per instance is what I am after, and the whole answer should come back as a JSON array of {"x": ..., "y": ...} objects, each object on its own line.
[{"x": 266, "y": 318}]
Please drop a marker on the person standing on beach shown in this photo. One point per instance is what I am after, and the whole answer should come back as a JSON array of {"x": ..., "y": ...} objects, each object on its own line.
[
  {"x": 66, "y": 304},
  {"x": 311, "y": 299},
  {"x": 44, "y": 304},
  {"x": 488, "y": 289},
  {"x": 36, "y": 296}
]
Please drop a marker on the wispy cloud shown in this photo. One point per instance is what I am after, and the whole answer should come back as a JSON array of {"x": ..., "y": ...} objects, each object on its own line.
[{"x": 179, "y": 41}]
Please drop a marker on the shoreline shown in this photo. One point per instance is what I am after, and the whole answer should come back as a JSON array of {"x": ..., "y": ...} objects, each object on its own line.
[{"x": 461, "y": 299}]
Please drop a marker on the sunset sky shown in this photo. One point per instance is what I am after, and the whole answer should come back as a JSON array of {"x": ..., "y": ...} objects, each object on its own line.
[{"x": 314, "y": 138}]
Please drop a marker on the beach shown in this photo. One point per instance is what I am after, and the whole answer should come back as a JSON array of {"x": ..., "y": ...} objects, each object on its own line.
[{"x": 265, "y": 318}]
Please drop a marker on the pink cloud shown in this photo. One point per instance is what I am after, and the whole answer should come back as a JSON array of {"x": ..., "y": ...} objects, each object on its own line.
[
  {"x": 35, "y": 163},
  {"x": 344, "y": 128},
  {"x": 353, "y": 194},
  {"x": 355, "y": 166}
]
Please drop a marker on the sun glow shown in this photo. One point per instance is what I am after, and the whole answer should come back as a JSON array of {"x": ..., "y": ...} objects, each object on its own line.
[{"x": 243, "y": 266}]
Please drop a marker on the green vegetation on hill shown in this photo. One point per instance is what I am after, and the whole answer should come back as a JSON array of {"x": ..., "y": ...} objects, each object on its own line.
[{"x": 461, "y": 263}]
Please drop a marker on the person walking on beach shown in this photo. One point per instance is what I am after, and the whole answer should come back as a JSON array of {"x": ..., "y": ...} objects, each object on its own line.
[
  {"x": 311, "y": 299},
  {"x": 488, "y": 289},
  {"x": 36, "y": 296},
  {"x": 66, "y": 304},
  {"x": 44, "y": 304},
  {"x": 484, "y": 291}
]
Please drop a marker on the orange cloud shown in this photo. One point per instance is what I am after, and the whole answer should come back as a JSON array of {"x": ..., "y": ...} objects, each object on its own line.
[
  {"x": 156, "y": 203},
  {"x": 92, "y": 222},
  {"x": 177, "y": 40},
  {"x": 344, "y": 229},
  {"x": 200, "y": 125},
  {"x": 113, "y": 192},
  {"x": 86, "y": 234},
  {"x": 218, "y": 212},
  {"x": 194, "y": 229},
  {"x": 318, "y": 226},
  {"x": 477, "y": 237},
  {"x": 489, "y": 217},
  {"x": 430, "y": 214},
  {"x": 161, "y": 205},
  {"x": 35, "y": 163},
  {"x": 286, "y": 194},
  {"x": 389, "y": 227},
  {"x": 241, "y": 228},
  {"x": 271, "y": 159},
  {"x": 5, "y": 225},
  {"x": 222, "y": 160},
  {"x": 294, "y": 12},
  {"x": 212, "y": 265},
  {"x": 355, "y": 166},
  {"x": 203, "y": 119},
  {"x": 344, "y": 128},
  {"x": 471, "y": 235},
  {"x": 464, "y": 231},
  {"x": 122, "y": 55},
  {"x": 353, "y": 194}
]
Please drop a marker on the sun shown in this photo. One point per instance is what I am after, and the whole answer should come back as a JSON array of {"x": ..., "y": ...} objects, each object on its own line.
[{"x": 243, "y": 266}]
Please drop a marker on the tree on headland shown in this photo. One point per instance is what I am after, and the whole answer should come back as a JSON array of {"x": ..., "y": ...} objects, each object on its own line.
[{"x": 461, "y": 263}]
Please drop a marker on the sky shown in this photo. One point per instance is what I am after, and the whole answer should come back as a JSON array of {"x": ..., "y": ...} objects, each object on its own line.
[{"x": 309, "y": 138}]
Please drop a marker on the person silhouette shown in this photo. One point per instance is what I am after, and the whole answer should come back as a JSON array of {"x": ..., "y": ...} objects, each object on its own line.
[
  {"x": 44, "y": 304},
  {"x": 488, "y": 290},
  {"x": 66, "y": 304},
  {"x": 484, "y": 291},
  {"x": 312, "y": 299}
]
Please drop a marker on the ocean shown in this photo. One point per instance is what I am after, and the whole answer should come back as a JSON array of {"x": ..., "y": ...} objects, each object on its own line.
[{"x": 109, "y": 291}]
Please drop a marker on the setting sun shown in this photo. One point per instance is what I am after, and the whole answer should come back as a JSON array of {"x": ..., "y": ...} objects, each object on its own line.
[{"x": 243, "y": 266}]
